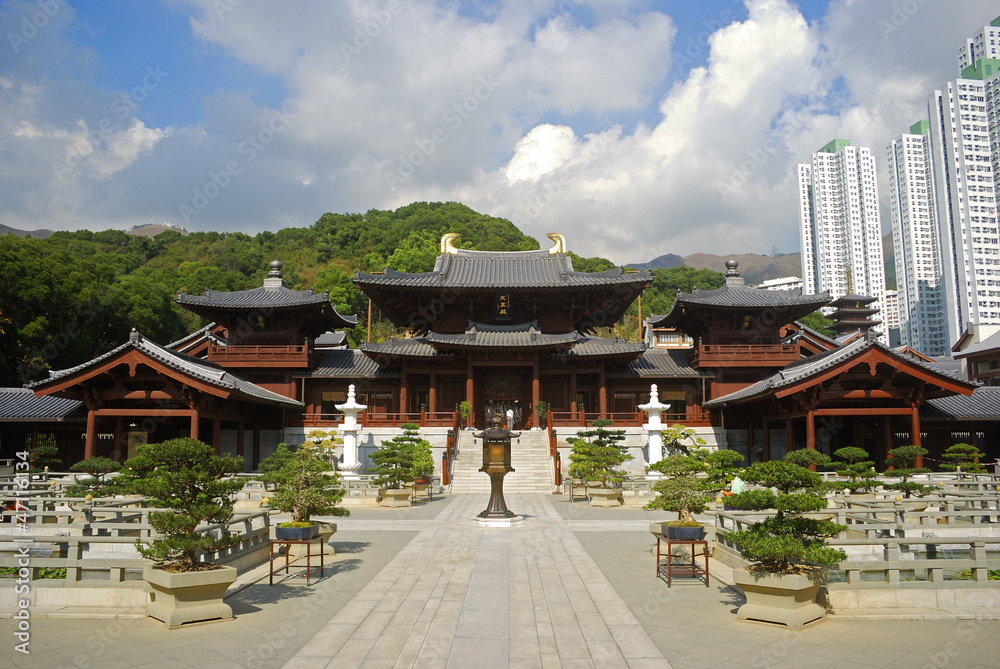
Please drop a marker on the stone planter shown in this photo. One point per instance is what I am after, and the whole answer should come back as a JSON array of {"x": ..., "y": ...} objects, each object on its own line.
[
  {"x": 683, "y": 533},
  {"x": 395, "y": 499},
  {"x": 296, "y": 533},
  {"x": 188, "y": 597},
  {"x": 785, "y": 599},
  {"x": 604, "y": 497}
]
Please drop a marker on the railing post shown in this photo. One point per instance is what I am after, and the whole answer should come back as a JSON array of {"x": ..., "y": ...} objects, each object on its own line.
[
  {"x": 980, "y": 569},
  {"x": 892, "y": 563}
]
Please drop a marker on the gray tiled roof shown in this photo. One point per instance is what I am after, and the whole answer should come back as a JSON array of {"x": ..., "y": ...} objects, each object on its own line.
[
  {"x": 801, "y": 369},
  {"x": 278, "y": 297},
  {"x": 195, "y": 336},
  {"x": 345, "y": 363},
  {"x": 195, "y": 367},
  {"x": 660, "y": 363},
  {"x": 523, "y": 335},
  {"x": 414, "y": 347},
  {"x": 601, "y": 347},
  {"x": 502, "y": 269},
  {"x": 736, "y": 297},
  {"x": 331, "y": 339},
  {"x": 21, "y": 404},
  {"x": 983, "y": 403},
  {"x": 987, "y": 345}
]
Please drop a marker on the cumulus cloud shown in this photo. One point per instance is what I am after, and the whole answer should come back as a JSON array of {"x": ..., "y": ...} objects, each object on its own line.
[{"x": 515, "y": 108}]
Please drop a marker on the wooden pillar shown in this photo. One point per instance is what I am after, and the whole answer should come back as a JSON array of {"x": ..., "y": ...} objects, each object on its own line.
[
  {"x": 602, "y": 393},
  {"x": 120, "y": 439},
  {"x": 90, "y": 447},
  {"x": 469, "y": 396},
  {"x": 194, "y": 423},
  {"x": 403, "y": 382},
  {"x": 789, "y": 435},
  {"x": 256, "y": 444},
  {"x": 432, "y": 393},
  {"x": 888, "y": 438},
  {"x": 572, "y": 394},
  {"x": 750, "y": 440},
  {"x": 240, "y": 441},
  {"x": 915, "y": 432},
  {"x": 217, "y": 435},
  {"x": 535, "y": 393}
]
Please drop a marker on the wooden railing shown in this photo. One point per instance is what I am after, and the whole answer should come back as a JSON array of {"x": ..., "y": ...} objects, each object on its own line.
[
  {"x": 233, "y": 353},
  {"x": 745, "y": 355},
  {"x": 626, "y": 419},
  {"x": 382, "y": 419}
]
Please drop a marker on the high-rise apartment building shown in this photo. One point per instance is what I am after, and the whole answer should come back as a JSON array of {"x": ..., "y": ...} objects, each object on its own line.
[
  {"x": 984, "y": 44},
  {"x": 965, "y": 191},
  {"x": 922, "y": 324},
  {"x": 840, "y": 230}
]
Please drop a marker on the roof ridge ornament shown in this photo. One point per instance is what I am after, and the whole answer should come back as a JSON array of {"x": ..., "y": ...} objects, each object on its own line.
[
  {"x": 448, "y": 240},
  {"x": 560, "y": 243}
]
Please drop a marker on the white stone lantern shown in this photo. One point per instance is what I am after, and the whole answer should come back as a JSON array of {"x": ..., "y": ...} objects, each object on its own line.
[
  {"x": 654, "y": 427},
  {"x": 349, "y": 432}
]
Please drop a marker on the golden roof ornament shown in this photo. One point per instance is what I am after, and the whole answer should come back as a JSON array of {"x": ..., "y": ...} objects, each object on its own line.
[{"x": 560, "y": 243}]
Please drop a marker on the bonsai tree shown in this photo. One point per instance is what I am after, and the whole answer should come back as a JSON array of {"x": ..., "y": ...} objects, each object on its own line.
[
  {"x": 853, "y": 463},
  {"x": 326, "y": 442},
  {"x": 395, "y": 459},
  {"x": 684, "y": 439},
  {"x": 303, "y": 487},
  {"x": 187, "y": 480},
  {"x": 597, "y": 453},
  {"x": 784, "y": 542},
  {"x": 721, "y": 466},
  {"x": 464, "y": 409},
  {"x": 423, "y": 460},
  {"x": 98, "y": 467},
  {"x": 964, "y": 456},
  {"x": 44, "y": 454},
  {"x": 903, "y": 461},
  {"x": 542, "y": 409},
  {"x": 807, "y": 457},
  {"x": 682, "y": 491}
]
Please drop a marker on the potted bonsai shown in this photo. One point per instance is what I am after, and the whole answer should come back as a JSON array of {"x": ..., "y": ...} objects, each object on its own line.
[
  {"x": 595, "y": 456},
  {"x": 305, "y": 486},
  {"x": 464, "y": 409},
  {"x": 186, "y": 482},
  {"x": 681, "y": 491},
  {"x": 542, "y": 409},
  {"x": 394, "y": 466},
  {"x": 96, "y": 484},
  {"x": 903, "y": 462},
  {"x": 789, "y": 550}
]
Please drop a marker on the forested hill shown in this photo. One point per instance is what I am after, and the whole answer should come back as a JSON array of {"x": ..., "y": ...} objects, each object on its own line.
[{"x": 75, "y": 295}]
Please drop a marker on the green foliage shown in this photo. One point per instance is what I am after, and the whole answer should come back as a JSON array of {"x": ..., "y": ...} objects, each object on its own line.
[
  {"x": 805, "y": 457},
  {"x": 820, "y": 323},
  {"x": 44, "y": 454},
  {"x": 682, "y": 491},
  {"x": 303, "y": 486},
  {"x": 597, "y": 453},
  {"x": 857, "y": 468},
  {"x": 787, "y": 538},
  {"x": 398, "y": 458},
  {"x": 680, "y": 438},
  {"x": 464, "y": 409},
  {"x": 721, "y": 465},
  {"x": 964, "y": 456},
  {"x": 272, "y": 463},
  {"x": 903, "y": 460},
  {"x": 98, "y": 467},
  {"x": 186, "y": 479}
]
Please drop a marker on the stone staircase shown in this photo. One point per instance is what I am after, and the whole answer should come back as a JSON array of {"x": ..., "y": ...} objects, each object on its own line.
[{"x": 529, "y": 457}]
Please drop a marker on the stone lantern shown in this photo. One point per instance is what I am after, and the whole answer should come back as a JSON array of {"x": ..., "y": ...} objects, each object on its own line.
[
  {"x": 496, "y": 463},
  {"x": 654, "y": 408},
  {"x": 349, "y": 432}
]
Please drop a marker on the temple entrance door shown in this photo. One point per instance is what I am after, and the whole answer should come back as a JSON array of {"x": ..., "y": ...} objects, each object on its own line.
[{"x": 502, "y": 392}]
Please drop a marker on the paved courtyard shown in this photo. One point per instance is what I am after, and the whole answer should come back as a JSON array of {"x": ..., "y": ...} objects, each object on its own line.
[{"x": 426, "y": 587}]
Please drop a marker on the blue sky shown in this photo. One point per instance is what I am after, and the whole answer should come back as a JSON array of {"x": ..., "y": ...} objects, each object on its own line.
[{"x": 636, "y": 128}]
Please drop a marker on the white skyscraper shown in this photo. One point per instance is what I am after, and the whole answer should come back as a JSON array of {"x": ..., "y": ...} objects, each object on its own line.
[
  {"x": 840, "y": 232},
  {"x": 922, "y": 323},
  {"x": 963, "y": 164},
  {"x": 984, "y": 44}
]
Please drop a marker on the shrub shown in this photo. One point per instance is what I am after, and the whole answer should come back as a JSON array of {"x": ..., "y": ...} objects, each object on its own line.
[
  {"x": 596, "y": 454},
  {"x": 682, "y": 491},
  {"x": 303, "y": 488},
  {"x": 903, "y": 460},
  {"x": 397, "y": 460},
  {"x": 965, "y": 456},
  {"x": 98, "y": 467},
  {"x": 853, "y": 463},
  {"x": 186, "y": 479}
]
